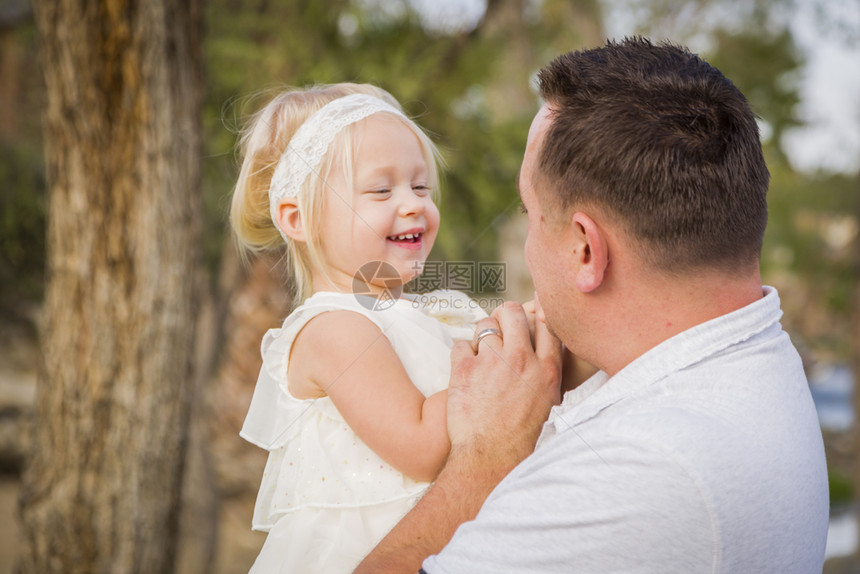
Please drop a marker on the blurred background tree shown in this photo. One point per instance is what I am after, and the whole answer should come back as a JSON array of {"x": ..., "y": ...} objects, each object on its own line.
[
  {"x": 121, "y": 122},
  {"x": 466, "y": 75}
]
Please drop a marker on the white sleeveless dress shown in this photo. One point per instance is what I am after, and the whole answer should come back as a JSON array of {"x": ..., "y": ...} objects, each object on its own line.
[{"x": 326, "y": 499}]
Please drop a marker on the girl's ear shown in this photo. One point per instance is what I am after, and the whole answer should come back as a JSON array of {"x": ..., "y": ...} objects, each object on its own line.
[{"x": 290, "y": 220}]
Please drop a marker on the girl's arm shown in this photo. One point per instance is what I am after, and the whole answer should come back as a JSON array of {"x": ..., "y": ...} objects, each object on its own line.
[
  {"x": 499, "y": 400},
  {"x": 345, "y": 356}
]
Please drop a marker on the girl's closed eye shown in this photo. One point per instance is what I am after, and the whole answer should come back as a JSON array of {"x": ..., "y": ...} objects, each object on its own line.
[{"x": 421, "y": 189}]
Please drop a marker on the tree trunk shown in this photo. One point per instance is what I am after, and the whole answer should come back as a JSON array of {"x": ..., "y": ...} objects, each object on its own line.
[{"x": 101, "y": 489}]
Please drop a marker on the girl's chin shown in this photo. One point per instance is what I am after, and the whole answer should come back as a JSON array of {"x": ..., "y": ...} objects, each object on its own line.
[{"x": 409, "y": 270}]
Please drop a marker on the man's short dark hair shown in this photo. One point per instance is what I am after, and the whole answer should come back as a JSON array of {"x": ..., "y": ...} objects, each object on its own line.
[{"x": 661, "y": 141}]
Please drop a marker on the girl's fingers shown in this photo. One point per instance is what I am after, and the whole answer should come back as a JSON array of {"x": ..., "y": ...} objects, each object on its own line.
[
  {"x": 529, "y": 307},
  {"x": 539, "y": 314},
  {"x": 547, "y": 345}
]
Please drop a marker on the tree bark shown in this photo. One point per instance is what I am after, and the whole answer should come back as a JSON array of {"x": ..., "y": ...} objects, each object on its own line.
[{"x": 101, "y": 488}]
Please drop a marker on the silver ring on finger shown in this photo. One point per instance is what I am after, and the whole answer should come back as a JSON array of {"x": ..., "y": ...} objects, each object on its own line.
[{"x": 486, "y": 333}]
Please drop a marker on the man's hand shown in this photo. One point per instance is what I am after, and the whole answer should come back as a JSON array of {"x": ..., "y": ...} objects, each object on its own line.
[{"x": 502, "y": 391}]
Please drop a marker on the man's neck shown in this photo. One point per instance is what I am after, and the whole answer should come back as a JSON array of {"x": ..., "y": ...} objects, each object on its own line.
[{"x": 661, "y": 308}]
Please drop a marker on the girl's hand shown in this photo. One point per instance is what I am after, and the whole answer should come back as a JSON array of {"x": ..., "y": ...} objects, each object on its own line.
[{"x": 531, "y": 316}]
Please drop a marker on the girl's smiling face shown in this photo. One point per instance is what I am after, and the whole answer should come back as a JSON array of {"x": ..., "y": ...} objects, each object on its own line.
[{"x": 387, "y": 214}]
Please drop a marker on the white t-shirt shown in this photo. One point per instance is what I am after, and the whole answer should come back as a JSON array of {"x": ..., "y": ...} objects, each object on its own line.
[{"x": 702, "y": 455}]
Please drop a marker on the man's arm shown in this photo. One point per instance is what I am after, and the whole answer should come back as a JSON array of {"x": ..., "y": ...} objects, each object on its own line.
[
  {"x": 498, "y": 400},
  {"x": 455, "y": 498}
]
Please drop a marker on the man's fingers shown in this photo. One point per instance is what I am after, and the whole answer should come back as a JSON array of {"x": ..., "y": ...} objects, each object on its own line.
[
  {"x": 462, "y": 350},
  {"x": 515, "y": 326},
  {"x": 488, "y": 333}
]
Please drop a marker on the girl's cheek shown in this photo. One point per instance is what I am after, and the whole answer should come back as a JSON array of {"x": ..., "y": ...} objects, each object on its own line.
[{"x": 434, "y": 211}]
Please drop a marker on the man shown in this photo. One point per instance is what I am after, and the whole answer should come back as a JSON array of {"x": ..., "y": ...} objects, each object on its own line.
[{"x": 696, "y": 447}]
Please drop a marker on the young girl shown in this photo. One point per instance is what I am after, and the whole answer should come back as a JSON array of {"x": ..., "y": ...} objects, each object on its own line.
[{"x": 350, "y": 401}]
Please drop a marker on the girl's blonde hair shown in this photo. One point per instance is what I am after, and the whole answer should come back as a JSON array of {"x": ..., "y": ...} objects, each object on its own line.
[{"x": 261, "y": 144}]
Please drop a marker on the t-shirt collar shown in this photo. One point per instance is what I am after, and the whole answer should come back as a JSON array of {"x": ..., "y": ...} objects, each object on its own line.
[{"x": 676, "y": 353}]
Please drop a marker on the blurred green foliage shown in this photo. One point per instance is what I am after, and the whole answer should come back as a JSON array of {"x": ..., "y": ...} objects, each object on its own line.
[
  {"x": 765, "y": 67},
  {"x": 22, "y": 173},
  {"x": 841, "y": 488},
  {"x": 22, "y": 226}
]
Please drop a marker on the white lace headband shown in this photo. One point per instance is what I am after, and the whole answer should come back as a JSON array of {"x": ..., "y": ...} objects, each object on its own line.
[{"x": 310, "y": 142}]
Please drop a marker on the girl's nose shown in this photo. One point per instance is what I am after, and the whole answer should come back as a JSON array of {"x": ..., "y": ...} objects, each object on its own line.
[{"x": 411, "y": 204}]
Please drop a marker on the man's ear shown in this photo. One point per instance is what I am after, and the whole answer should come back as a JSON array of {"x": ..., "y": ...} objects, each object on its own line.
[
  {"x": 289, "y": 219},
  {"x": 591, "y": 252}
]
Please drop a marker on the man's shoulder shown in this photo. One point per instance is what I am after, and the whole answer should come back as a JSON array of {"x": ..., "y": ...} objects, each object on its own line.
[
  {"x": 578, "y": 504},
  {"x": 673, "y": 470},
  {"x": 723, "y": 412},
  {"x": 720, "y": 454}
]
